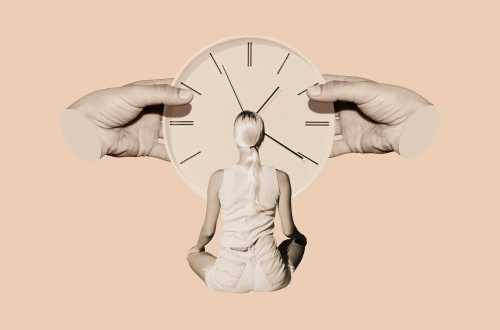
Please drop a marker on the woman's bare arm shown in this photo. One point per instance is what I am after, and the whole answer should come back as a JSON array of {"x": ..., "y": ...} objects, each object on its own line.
[
  {"x": 285, "y": 207},
  {"x": 212, "y": 212}
]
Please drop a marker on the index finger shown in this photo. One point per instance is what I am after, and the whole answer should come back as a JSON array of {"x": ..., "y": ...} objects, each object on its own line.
[
  {"x": 336, "y": 77},
  {"x": 163, "y": 81},
  {"x": 358, "y": 92}
]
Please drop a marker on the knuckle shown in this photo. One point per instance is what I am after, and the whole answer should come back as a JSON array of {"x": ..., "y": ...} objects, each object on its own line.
[
  {"x": 330, "y": 87},
  {"x": 169, "y": 90}
]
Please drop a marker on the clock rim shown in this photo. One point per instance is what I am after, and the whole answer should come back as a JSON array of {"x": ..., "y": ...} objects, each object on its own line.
[{"x": 175, "y": 82}]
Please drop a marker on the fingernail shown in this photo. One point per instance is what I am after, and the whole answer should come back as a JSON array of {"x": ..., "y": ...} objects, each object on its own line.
[
  {"x": 185, "y": 94},
  {"x": 314, "y": 91}
]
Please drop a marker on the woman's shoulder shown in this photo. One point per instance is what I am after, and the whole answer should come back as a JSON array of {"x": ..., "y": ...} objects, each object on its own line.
[
  {"x": 218, "y": 172},
  {"x": 281, "y": 180},
  {"x": 216, "y": 177},
  {"x": 282, "y": 176}
]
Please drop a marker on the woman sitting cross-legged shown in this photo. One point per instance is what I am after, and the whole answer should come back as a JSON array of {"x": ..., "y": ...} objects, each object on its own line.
[{"x": 248, "y": 194}]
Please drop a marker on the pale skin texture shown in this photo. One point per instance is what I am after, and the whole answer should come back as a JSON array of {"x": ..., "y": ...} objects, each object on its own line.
[
  {"x": 371, "y": 114},
  {"x": 199, "y": 260},
  {"x": 128, "y": 118}
]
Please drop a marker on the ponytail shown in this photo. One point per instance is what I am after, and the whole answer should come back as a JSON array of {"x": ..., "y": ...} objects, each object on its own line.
[
  {"x": 254, "y": 175},
  {"x": 248, "y": 134}
]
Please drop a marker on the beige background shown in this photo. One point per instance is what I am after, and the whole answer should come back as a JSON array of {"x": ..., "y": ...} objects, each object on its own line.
[{"x": 394, "y": 244}]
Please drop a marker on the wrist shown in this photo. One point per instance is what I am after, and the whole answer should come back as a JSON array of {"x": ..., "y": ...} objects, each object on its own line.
[
  {"x": 81, "y": 135},
  {"x": 417, "y": 132},
  {"x": 196, "y": 249}
]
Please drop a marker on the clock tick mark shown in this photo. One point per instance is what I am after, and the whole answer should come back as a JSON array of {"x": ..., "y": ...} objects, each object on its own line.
[
  {"x": 181, "y": 122},
  {"x": 215, "y": 62},
  {"x": 282, "y": 64},
  {"x": 305, "y": 90},
  {"x": 317, "y": 123},
  {"x": 190, "y": 157},
  {"x": 191, "y": 88},
  {"x": 249, "y": 54}
]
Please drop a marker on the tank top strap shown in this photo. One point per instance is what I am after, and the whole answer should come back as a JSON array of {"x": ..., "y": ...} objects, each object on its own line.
[
  {"x": 223, "y": 182},
  {"x": 275, "y": 180},
  {"x": 271, "y": 179}
]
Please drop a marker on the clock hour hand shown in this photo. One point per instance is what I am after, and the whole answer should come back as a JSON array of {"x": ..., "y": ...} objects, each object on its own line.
[
  {"x": 284, "y": 146},
  {"x": 232, "y": 87},
  {"x": 268, "y": 98}
]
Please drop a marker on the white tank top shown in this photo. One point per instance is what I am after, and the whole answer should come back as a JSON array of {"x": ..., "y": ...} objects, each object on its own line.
[{"x": 243, "y": 225}]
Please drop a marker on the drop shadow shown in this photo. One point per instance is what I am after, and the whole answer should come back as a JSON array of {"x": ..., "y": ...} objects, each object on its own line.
[
  {"x": 326, "y": 107},
  {"x": 155, "y": 109},
  {"x": 338, "y": 106},
  {"x": 177, "y": 111},
  {"x": 351, "y": 106},
  {"x": 345, "y": 105},
  {"x": 320, "y": 107}
]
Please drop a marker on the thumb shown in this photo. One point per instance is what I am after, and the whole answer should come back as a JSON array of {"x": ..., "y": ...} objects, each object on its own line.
[
  {"x": 358, "y": 92},
  {"x": 159, "y": 151},
  {"x": 141, "y": 96}
]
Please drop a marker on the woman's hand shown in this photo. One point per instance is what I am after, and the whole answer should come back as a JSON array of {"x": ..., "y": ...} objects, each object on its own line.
[{"x": 196, "y": 249}]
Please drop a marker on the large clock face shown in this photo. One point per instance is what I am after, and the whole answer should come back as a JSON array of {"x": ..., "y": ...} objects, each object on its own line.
[{"x": 253, "y": 74}]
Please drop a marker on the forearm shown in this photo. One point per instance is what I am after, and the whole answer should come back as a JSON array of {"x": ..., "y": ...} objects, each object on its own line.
[
  {"x": 204, "y": 239},
  {"x": 417, "y": 132},
  {"x": 81, "y": 135}
]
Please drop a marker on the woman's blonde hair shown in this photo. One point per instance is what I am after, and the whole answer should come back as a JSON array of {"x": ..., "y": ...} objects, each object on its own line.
[{"x": 248, "y": 134}]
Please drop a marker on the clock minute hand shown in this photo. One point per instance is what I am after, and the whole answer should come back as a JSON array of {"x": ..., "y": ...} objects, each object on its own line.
[
  {"x": 284, "y": 146},
  {"x": 232, "y": 87},
  {"x": 268, "y": 98}
]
